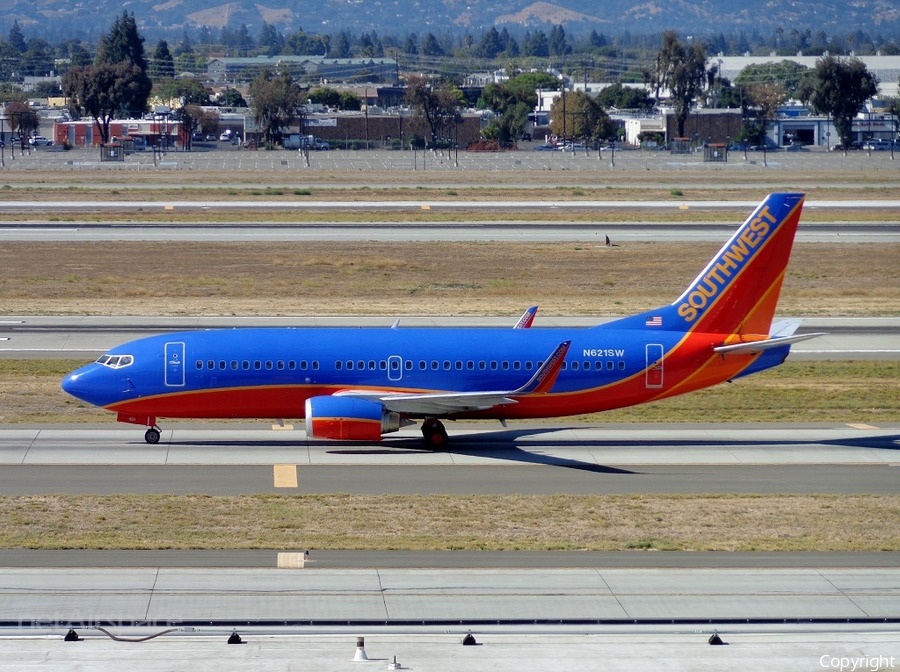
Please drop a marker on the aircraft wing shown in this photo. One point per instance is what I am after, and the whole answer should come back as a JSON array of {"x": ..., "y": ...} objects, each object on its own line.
[{"x": 444, "y": 403}]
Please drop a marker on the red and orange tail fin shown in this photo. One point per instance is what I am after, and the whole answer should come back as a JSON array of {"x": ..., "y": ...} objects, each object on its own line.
[{"x": 738, "y": 290}]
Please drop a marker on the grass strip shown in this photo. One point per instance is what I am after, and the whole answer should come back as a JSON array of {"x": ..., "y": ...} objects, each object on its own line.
[{"x": 443, "y": 522}]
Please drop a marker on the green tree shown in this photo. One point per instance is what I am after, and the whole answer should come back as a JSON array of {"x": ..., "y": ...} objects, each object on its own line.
[
  {"x": 431, "y": 46},
  {"x": 275, "y": 101},
  {"x": 489, "y": 45},
  {"x": 536, "y": 44},
  {"x": 231, "y": 97},
  {"x": 557, "y": 42},
  {"x": 161, "y": 63},
  {"x": 766, "y": 99},
  {"x": 625, "y": 98},
  {"x": 842, "y": 86},
  {"x": 122, "y": 43},
  {"x": 682, "y": 70},
  {"x": 16, "y": 39},
  {"x": 582, "y": 117},
  {"x": 350, "y": 101},
  {"x": 100, "y": 90},
  {"x": 325, "y": 96},
  {"x": 790, "y": 75}
]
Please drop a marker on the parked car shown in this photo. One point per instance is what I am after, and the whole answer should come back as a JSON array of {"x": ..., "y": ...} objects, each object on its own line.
[
  {"x": 548, "y": 148},
  {"x": 881, "y": 145},
  {"x": 39, "y": 140},
  {"x": 226, "y": 136}
]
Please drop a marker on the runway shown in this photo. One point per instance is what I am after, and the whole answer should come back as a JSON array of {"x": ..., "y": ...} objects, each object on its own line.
[{"x": 508, "y": 232}]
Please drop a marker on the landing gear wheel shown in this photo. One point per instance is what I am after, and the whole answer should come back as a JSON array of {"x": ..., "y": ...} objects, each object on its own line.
[
  {"x": 434, "y": 433},
  {"x": 151, "y": 435}
]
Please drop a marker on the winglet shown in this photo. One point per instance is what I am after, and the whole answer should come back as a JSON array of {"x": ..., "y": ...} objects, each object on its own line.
[
  {"x": 544, "y": 378},
  {"x": 526, "y": 319}
]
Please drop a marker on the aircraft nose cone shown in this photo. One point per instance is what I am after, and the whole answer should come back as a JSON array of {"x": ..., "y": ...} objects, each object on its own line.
[{"x": 73, "y": 384}]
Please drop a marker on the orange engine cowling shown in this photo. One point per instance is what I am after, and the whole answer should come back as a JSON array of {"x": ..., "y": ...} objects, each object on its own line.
[{"x": 348, "y": 419}]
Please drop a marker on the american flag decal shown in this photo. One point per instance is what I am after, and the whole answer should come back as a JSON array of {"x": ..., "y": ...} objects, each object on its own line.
[{"x": 655, "y": 321}]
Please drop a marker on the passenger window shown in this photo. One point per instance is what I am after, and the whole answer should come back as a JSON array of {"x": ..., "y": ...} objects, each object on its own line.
[
  {"x": 446, "y": 365},
  {"x": 234, "y": 365},
  {"x": 221, "y": 364},
  {"x": 360, "y": 365},
  {"x": 372, "y": 365},
  {"x": 382, "y": 365},
  {"x": 268, "y": 365},
  {"x": 493, "y": 366},
  {"x": 586, "y": 366},
  {"x": 315, "y": 365},
  {"x": 470, "y": 365},
  {"x": 459, "y": 365},
  {"x": 610, "y": 366},
  {"x": 505, "y": 366},
  {"x": 257, "y": 365},
  {"x": 517, "y": 365},
  {"x": 528, "y": 366},
  {"x": 349, "y": 364},
  {"x": 292, "y": 365},
  {"x": 199, "y": 364},
  {"x": 245, "y": 365},
  {"x": 337, "y": 365},
  {"x": 482, "y": 365},
  {"x": 574, "y": 366},
  {"x": 408, "y": 364},
  {"x": 434, "y": 365},
  {"x": 303, "y": 364},
  {"x": 422, "y": 365},
  {"x": 210, "y": 364},
  {"x": 621, "y": 366},
  {"x": 280, "y": 365}
]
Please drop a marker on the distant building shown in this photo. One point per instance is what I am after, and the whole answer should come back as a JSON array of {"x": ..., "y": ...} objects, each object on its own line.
[{"x": 886, "y": 68}]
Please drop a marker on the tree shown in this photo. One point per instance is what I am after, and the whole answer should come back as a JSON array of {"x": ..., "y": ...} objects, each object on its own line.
[
  {"x": 842, "y": 86},
  {"x": 584, "y": 118},
  {"x": 23, "y": 119},
  {"x": 161, "y": 63},
  {"x": 275, "y": 101},
  {"x": 536, "y": 44},
  {"x": 101, "y": 90},
  {"x": 557, "y": 43},
  {"x": 490, "y": 45},
  {"x": 16, "y": 39},
  {"x": 122, "y": 43},
  {"x": 350, "y": 101},
  {"x": 434, "y": 107},
  {"x": 790, "y": 75},
  {"x": 682, "y": 70},
  {"x": 231, "y": 97},
  {"x": 431, "y": 46},
  {"x": 325, "y": 96},
  {"x": 342, "y": 48},
  {"x": 625, "y": 98},
  {"x": 766, "y": 98}
]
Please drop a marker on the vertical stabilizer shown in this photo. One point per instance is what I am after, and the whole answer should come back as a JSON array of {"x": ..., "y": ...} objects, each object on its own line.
[{"x": 738, "y": 290}]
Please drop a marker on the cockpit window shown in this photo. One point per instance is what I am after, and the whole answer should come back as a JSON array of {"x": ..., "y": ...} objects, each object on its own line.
[{"x": 116, "y": 361}]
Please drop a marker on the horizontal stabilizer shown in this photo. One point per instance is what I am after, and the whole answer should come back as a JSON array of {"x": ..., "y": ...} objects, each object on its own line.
[{"x": 759, "y": 346}]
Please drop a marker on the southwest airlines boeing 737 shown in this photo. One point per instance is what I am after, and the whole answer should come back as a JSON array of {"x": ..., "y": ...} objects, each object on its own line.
[{"x": 362, "y": 383}]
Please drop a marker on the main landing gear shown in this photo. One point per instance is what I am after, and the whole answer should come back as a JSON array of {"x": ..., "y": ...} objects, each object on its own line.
[
  {"x": 152, "y": 435},
  {"x": 434, "y": 433}
]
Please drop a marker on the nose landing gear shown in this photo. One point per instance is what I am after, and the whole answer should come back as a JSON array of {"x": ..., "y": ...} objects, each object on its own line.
[{"x": 152, "y": 435}]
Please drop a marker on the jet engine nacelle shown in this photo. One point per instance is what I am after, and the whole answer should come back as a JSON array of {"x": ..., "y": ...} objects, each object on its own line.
[{"x": 348, "y": 419}]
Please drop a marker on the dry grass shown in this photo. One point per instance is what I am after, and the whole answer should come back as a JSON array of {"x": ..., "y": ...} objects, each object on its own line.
[
  {"x": 441, "y": 522},
  {"x": 249, "y": 278}
]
